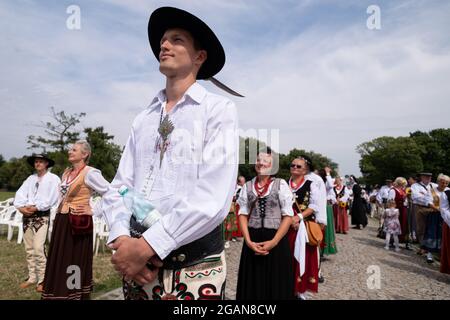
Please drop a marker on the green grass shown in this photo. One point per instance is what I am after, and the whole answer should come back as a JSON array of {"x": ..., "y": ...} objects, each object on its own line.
[
  {"x": 6, "y": 195},
  {"x": 13, "y": 271}
]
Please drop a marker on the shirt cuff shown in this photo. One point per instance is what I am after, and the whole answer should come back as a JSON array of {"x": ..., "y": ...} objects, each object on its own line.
[
  {"x": 314, "y": 207},
  {"x": 119, "y": 228},
  {"x": 160, "y": 240},
  {"x": 40, "y": 207}
]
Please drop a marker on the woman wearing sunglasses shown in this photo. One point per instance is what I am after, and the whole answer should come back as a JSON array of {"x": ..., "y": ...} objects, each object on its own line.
[
  {"x": 265, "y": 216},
  {"x": 306, "y": 206}
]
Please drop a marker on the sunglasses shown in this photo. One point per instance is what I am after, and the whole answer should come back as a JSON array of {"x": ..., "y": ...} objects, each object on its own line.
[{"x": 298, "y": 166}]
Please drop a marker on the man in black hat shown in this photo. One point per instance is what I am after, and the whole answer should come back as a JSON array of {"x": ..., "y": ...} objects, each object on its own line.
[
  {"x": 422, "y": 198},
  {"x": 182, "y": 156},
  {"x": 34, "y": 199}
]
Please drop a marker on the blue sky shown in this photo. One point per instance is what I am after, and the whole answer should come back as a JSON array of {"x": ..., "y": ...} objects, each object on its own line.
[{"x": 311, "y": 69}]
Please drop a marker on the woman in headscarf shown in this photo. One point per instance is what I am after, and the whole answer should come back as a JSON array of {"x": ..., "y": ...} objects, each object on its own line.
[{"x": 358, "y": 210}]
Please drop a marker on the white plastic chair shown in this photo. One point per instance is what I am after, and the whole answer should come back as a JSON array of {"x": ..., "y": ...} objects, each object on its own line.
[
  {"x": 102, "y": 233},
  {"x": 16, "y": 222},
  {"x": 7, "y": 203},
  {"x": 6, "y": 215}
]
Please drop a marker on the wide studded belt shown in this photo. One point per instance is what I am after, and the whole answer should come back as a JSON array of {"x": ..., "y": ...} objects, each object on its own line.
[
  {"x": 194, "y": 252},
  {"x": 190, "y": 254},
  {"x": 39, "y": 214}
]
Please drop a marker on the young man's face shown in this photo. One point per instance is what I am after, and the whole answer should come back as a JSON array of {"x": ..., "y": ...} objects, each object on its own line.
[{"x": 178, "y": 55}]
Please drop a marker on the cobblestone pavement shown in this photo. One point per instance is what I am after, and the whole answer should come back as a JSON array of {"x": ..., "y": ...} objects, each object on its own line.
[
  {"x": 403, "y": 275},
  {"x": 352, "y": 272}
]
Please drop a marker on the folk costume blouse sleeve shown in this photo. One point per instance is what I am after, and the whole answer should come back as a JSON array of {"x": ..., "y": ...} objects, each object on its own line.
[
  {"x": 243, "y": 201},
  {"x": 95, "y": 180},
  {"x": 346, "y": 195},
  {"x": 286, "y": 199},
  {"x": 315, "y": 197}
]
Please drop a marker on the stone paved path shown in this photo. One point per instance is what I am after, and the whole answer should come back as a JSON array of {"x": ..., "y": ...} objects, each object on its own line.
[{"x": 350, "y": 273}]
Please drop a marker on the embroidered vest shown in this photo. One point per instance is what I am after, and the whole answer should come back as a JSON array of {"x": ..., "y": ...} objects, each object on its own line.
[
  {"x": 302, "y": 196},
  {"x": 78, "y": 192},
  {"x": 339, "y": 194},
  {"x": 400, "y": 196},
  {"x": 265, "y": 212}
]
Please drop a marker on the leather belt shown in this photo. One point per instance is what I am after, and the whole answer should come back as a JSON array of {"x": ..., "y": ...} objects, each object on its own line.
[
  {"x": 190, "y": 254},
  {"x": 39, "y": 214},
  {"x": 194, "y": 252}
]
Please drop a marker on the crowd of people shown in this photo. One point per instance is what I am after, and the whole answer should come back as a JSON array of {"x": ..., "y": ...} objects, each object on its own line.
[
  {"x": 288, "y": 226},
  {"x": 261, "y": 208},
  {"x": 415, "y": 211}
]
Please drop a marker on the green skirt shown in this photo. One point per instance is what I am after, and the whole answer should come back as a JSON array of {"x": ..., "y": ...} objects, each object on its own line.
[{"x": 329, "y": 243}]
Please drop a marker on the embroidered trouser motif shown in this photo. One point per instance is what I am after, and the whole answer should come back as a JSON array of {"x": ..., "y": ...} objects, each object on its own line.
[
  {"x": 34, "y": 236},
  {"x": 203, "y": 281}
]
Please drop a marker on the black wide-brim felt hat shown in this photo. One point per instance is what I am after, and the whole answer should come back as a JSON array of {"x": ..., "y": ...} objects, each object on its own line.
[
  {"x": 31, "y": 159},
  {"x": 427, "y": 174},
  {"x": 165, "y": 18}
]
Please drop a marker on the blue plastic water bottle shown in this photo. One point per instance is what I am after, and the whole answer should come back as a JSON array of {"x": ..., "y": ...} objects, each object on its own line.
[{"x": 142, "y": 209}]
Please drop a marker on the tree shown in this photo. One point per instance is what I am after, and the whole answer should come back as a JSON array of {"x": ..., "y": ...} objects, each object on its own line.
[
  {"x": 247, "y": 169},
  {"x": 319, "y": 161},
  {"x": 248, "y": 149},
  {"x": 60, "y": 132},
  {"x": 105, "y": 153},
  {"x": 435, "y": 150},
  {"x": 14, "y": 172},
  {"x": 388, "y": 157}
]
